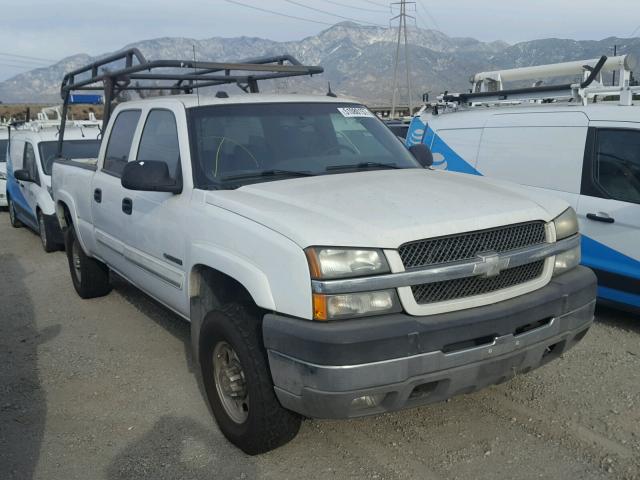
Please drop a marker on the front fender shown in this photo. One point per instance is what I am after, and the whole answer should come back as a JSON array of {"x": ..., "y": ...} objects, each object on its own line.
[{"x": 238, "y": 268}]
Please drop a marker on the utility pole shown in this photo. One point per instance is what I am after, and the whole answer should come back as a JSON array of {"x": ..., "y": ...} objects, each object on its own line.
[
  {"x": 402, "y": 28},
  {"x": 615, "y": 52}
]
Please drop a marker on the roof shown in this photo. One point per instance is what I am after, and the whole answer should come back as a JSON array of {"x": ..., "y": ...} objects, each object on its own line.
[
  {"x": 192, "y": 100},
  {"x": 51, "y": 133},
  {"x": 604, "y": 111}
]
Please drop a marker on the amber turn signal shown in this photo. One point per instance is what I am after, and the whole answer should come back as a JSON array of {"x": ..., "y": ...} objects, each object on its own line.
[{"x": 319, "y": 307}]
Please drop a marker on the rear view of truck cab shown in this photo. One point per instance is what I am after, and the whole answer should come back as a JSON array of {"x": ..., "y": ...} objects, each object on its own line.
[{"x": 324, "y": 271}]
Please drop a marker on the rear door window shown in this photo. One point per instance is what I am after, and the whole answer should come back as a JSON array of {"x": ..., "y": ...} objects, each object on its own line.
[
  {"x": 617, "y": 164},
  {"x": 120, "y": 139}
]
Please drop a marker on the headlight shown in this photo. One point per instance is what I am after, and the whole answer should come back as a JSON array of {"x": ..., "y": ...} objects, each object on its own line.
[
  {"x": 350, "y": 305},
  {"x": 566, "y": 224},
  {"x": 565, "y": 261},
  {"x": 330, "y": 263}
]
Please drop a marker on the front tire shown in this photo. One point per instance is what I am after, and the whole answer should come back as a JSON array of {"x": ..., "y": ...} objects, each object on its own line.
[
  {"x": 47, "y": 244},
  {"x": 89, "y": 276},
  {"x": 13, "y": 217},
  {"x": 236, "y": 378}
]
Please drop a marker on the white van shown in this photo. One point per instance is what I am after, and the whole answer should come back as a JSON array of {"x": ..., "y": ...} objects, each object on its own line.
[
  {"x": 587, "y": 154},
  {"x": 4, "y": 140},
  {"x": 32, "y": 148}
]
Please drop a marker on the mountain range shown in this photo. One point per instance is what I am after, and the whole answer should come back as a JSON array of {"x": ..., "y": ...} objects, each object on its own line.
[{"x": 358, "y": 60}]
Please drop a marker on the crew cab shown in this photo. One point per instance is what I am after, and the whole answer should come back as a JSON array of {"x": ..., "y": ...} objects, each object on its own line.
[{"x": 324, "y": 271}]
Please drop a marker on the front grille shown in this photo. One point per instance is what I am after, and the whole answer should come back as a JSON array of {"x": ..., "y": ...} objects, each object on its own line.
[
  {"x": 470, "y": 286},
  {"x": 466, "y": 246}
]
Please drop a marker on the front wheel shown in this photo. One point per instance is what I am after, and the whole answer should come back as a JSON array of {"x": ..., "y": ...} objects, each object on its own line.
[
  {"x": 13, "y": 217},
  {"x": 236, "y": 378},
  {"x": 90, "y": 277}
]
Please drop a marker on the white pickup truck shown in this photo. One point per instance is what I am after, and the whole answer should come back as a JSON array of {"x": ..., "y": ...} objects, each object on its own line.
[{"x": 324, "y": 271}]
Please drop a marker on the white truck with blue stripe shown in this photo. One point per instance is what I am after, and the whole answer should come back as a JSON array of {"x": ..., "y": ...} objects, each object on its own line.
[{"x": 585, "y": 152}]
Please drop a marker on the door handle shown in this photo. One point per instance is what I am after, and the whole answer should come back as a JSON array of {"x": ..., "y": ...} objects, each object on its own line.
[
  {"x": 97, "y": 195},
  {"x": 127, "y": 205},
  {"x": 602, "y": 217}
]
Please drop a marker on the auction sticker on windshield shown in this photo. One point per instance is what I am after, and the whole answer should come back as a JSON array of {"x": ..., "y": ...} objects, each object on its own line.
[{"x": 351, "y": 112}]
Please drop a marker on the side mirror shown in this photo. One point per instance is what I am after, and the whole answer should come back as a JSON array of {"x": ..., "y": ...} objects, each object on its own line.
[
  {"x": 23, "y": 175},
  {"x": 149, "y": 176},
  {"x": 422, "y": 154}
]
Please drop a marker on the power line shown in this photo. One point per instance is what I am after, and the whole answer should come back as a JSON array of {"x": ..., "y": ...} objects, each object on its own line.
[
  {"x": 23, "y": 67},
  {"x": 278, "y": 13},
  {"x": 362, "y": 9},
  {"x": 27, "y": 57},
  {"x": 422, "y": 20},
  {"x": 293, "y": 2},
  {"x": 375, "y": 3},
  {"x": 433, "y": 20},
  {"x": 32, "y": 63}
]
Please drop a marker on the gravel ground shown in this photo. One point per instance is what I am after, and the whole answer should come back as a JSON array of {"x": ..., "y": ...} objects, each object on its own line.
[{"x": 106, "y": 388}]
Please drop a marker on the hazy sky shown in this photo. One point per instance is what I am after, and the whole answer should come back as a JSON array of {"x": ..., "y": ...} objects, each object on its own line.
[{"x": 34, "y": 32}]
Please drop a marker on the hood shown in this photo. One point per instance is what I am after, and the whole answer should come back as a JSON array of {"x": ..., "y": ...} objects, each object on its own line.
[{"x": 383, "y": 208}]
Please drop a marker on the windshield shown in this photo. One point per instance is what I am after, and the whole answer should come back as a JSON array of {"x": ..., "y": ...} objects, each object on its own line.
[
  {"x": 233, "y": 145},
  {"x": 71, "y": 150},
  {"x": 3, "y": 150}
]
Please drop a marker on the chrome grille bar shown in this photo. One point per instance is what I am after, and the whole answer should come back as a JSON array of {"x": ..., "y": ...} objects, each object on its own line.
[{"x": 445, "y": 271}]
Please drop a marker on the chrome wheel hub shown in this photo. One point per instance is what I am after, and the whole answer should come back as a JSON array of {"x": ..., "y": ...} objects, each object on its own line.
[{"x": 230, "y": 382}]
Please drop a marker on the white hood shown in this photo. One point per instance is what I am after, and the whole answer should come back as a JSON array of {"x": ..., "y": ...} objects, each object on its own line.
[{"x": 384, "y": 208}]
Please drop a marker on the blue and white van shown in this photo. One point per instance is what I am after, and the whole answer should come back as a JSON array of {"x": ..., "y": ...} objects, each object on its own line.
[
  {"x": 587, "y": 154},
  {"x": 31, "y": 150},
  {"x": 4, "y": 140}
]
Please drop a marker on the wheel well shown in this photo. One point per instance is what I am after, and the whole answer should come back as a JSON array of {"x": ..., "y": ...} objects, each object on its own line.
[
  {"x": 209, "y": 289},
  {"x": 64, "y": 215}
]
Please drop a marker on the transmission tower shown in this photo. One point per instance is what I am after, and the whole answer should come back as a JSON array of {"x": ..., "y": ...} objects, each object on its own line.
[{"x": 402, "y": 31}]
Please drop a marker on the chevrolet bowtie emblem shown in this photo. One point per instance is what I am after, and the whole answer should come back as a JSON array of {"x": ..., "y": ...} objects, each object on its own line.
[{"x": 490, "y": 264}]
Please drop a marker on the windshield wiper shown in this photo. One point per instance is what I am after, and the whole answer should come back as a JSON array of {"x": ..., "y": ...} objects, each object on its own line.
[
  {"x": 270, "y": 173},
  {"x": 362, "y": 165}
]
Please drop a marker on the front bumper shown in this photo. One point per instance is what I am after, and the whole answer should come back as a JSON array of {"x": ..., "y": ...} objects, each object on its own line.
[{"x": 400, "y": 361}]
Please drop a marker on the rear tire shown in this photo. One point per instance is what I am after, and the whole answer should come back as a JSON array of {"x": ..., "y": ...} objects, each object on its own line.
[
  {"x": 89, "y": 276},
  {"x": 47, "y": 244},
  {"x": 249, "y": 414},
  {"x": 13, "y": 217}
]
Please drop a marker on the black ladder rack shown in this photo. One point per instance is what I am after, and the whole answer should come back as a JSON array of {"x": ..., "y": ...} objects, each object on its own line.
[{"x": 178, "y": 76}]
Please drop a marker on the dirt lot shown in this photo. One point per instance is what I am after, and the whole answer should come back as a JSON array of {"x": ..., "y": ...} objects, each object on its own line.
[{"x": 106, "y": 389}]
